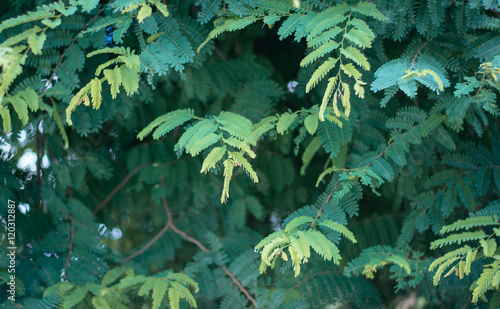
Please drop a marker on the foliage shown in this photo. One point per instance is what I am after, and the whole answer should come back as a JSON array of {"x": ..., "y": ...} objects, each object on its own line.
[{"x": 368, "y": 131}]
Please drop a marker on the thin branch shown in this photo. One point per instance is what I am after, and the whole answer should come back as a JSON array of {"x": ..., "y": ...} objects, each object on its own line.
[
  {"x": 170, "y": 224},
  {"x": 219, "y": 53},
  {"x": 149, "y": 244},
  {"x": 70, "y": 249},
  {"x": 116, "y": 189},
  {"x": 326, "y": 201},
  {"x": 250, "y": 298},
  {"x": 418, "y": 52}
]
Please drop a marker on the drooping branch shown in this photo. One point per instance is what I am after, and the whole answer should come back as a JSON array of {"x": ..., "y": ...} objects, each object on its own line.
[
  {"x": 116, "y": 189},
  {"x": 170, "y": 225},
  {"x": 149, "y": 244}
]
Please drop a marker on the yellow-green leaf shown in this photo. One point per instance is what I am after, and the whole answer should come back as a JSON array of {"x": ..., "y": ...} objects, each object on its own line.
[
  {"x": 95, "y": 92},
  {"x": 144, "y": 13},
  {"x": 130, "y": 79},
  {"x": 36, "y": 42},
  {"x": 114, "y": 78}
]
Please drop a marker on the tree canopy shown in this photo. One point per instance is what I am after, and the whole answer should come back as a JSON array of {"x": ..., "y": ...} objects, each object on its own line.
[{"x": 250, "y": 153}]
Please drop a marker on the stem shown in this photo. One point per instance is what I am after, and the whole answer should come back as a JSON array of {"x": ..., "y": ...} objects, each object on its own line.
[
  {"x": 70, "y": 249},
  {"x": 418, "y": 52},
  {"x": 116, "y": 189},
  {"x": 326, "y": 201},
  {"x": 149, "y": 244},
  {"x": 250, "y": 298},
  {"x": 170, "y": 224}
]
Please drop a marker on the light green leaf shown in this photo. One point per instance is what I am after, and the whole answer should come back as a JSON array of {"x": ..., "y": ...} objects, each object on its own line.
[
  {"x": 311, "y": 123},
  {"x": 159, "y": 292},
  {"x": 355, "y": 55},
  {"x": 285, "y": 121},
  {"x": 228, "y": 174},
  {"x": 114, "y": 78},
  {"x": 240, "y": 160},
  {"x": 489, "y": 246},
  {"x": 95, "y": 91},
  {"x": 144, "y": 13},
  {"x": 213, "y": 158},
  {"x": 36, "y": 42},
  {"x": 130, "y": 79},
  {"x": 339, "y": 228}
]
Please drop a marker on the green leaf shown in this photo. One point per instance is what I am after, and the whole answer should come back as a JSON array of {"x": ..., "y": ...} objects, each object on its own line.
[
  {"x": 114, "y": 78},
  {"x": 311, "y": 123},
  {"x": 159, "y": 292},
  {"x": 284, "y": 122},
  {"x": 320, "y": 73},
  {"x": 318, "y": 242},
  {"x": 76, "y": 296},
  {"x": 489, "y": 246},
  {"x": 239, "y": 160},
  {"x": 369, "y": 9},
  {"x": 486, "y": 281},
  {"x": 458, "y": 239},
  {"x": 201, "y": 144},
  {"x": 36, "y": 42},
  {"x": 100, "y": 302},
  {"x": 430, "y": 124},
  {"x": 88, "y": 5},
  {"x": 166, "y": 123},
  {"x": 174, "y": 297},
  {"x": 213, "y": 158},
  {"x": 309, "y": 153},
  {"x": 355, "y": 55},
  {"x": 228, "y": 174},
  {"x": 296, "y": 222},
  {"x": 144, "y": 12},
  {"x": 95, "y": 91},
  {"x": 359, "y": 38},
  {"x": 236, "y": 125},
  {"x": 319, "y": 52},
  {"x": 130, "y": 79},
  {"x": 21, "y": 108},
  {"x": 337, "y": 227},
  {"x": 51, "y": 23}
]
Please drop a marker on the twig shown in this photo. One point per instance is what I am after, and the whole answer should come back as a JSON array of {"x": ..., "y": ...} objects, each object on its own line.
[
  {"x": 70, "y": 249},
  {"x": 116, "y": 189},
  {"x": 219, "y": 53},
  {"x": 170, "y": 225},
  {"x": 149, "y": 244},
  {"x": 250, "y": 298},
  {"x": 326, "y": 201},
  {"x": 418, "y": 52}
]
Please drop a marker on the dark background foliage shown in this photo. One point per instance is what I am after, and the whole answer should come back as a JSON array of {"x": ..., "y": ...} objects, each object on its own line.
[{"x": 111, "y": 217}]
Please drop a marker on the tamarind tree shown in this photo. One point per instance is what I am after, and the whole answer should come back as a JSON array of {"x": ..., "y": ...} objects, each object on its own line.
[{"x": 250, "y": 153}]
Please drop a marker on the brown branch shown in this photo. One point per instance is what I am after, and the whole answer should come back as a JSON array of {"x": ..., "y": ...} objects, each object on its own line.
[
  {"x": 116, "y": 189},
  {"x": 149, "y": 244},
  {"x": 170, "y": 224},
  {"x": 219, "y": 53},
  {"x": 326, "y": 201},
  {"x": 70, "y": 249},
  {"x": 250, "y": 298},
  {"x": 418, "y": 52}
]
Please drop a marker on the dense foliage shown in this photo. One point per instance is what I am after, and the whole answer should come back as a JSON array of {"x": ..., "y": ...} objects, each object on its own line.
[{"x": 250, "y": 153}]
